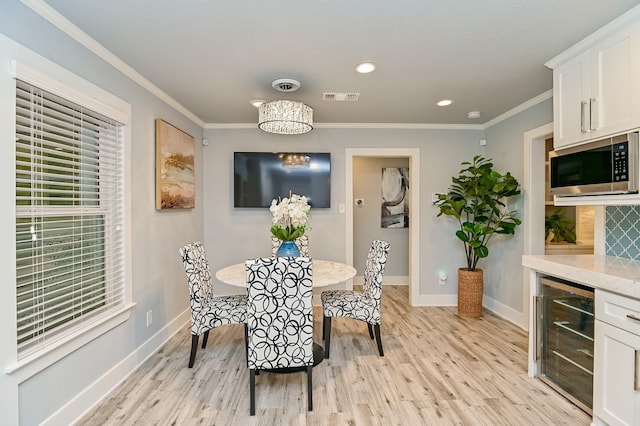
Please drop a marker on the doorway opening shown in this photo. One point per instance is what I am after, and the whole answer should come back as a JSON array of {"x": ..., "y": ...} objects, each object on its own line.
[{"x": 413, "y": 155}]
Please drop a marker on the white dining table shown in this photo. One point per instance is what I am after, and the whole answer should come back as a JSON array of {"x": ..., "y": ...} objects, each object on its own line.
[{"x": 325, "y": 273}]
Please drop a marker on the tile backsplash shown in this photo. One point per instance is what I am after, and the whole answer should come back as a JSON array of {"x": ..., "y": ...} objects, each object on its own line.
[{"x": 622, "y": 231}]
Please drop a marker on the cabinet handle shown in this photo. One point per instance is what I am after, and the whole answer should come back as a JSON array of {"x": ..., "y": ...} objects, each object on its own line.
[
  {"x": 593, "y": 114},
  {"x": 538, "y": 329},
  {"x": 633, "y": 317},
  {"x": 583, "y": 116},
  {"x": 635, "y": 371}
]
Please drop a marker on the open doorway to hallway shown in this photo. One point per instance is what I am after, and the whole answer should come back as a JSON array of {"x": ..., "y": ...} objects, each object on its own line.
[{"x": 404, "y": 242}]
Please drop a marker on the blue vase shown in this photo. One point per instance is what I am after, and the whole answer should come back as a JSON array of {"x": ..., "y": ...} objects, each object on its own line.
[{"x": 288, "y": 249}]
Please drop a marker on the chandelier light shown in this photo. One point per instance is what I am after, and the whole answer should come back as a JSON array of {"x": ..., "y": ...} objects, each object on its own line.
[
  {"x": 292, "y": 160},
  {"x": 285, "y": 117}
]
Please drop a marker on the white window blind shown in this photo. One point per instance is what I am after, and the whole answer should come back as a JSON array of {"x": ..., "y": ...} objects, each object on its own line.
[{"x": 69, "y": 217}]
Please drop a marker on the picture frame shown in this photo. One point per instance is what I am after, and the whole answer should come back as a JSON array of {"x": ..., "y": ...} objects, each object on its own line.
[
  {"x": 175, "y": 167},
  {"x": 395, "y": 197}
]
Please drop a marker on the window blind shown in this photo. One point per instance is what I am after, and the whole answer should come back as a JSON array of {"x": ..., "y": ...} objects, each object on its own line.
[{"x": 69, "y": 217}]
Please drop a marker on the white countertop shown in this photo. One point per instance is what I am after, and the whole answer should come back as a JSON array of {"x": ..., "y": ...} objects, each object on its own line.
[{"x": 610, "y": 273}]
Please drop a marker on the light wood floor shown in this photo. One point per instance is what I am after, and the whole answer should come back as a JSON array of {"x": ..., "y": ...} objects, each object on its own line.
[{"x": 438, "y": 369}]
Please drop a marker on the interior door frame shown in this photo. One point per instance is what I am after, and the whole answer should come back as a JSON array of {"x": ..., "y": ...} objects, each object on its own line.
[{"x": 413, "y": 154}]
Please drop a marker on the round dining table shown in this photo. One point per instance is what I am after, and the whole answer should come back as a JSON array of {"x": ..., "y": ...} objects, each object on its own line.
[{"x": 325, "y": 272}]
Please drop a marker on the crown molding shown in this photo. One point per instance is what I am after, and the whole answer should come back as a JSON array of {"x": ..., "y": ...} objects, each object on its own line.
[
  {"x": 64, "y": 25},
  {"x": 522, "y": 107}
]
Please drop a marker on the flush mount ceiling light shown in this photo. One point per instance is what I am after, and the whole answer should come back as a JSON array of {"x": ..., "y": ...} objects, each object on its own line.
[
  {"x": 444, "y": 102},
  {"x": 365, "y": 67},
  {"x": 256, "y": 102},
  {"x": 473, "y": 114},
  {"x": 285, "y": 117}
]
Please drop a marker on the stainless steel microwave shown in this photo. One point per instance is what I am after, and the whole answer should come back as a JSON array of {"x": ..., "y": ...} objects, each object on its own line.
[{"x": 603, "y": 167}]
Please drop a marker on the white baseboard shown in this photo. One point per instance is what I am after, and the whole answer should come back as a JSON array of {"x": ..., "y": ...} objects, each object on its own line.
[
  {"x": 388, "y": 280},
  {"x": 437, "y": 300},
  {"x": 90, "y": 397},
  {"x": 499, "y": 309},
  {"x": 506, "y": 312}
]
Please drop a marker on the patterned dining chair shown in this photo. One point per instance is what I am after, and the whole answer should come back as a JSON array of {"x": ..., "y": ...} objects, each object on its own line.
[
  {"x": 280, "y": 318},
  {"x": 207, "y": 311},
  {"x": 359, "y": 305},
  {"x": 302, "y": 243}
]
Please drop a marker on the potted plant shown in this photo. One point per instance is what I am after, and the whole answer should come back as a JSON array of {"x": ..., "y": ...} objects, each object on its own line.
[
  {"x": 558, "y": 228},
  {"x": 476, "y": 200},
  {"x": 289, "y": 222}
]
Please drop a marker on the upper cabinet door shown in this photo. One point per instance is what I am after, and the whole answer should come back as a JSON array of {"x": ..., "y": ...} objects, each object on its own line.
[
  {"x": 570, "y": 88},
  {"x": 596, "y": 91},
  {"x": 615, "y": 86}
]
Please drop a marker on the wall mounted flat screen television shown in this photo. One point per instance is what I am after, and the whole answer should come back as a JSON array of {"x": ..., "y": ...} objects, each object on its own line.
[{"x": 259, "y": 177}]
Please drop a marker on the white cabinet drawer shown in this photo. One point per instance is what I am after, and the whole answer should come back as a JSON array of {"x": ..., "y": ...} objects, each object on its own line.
[{"x": 619, "y": 311}]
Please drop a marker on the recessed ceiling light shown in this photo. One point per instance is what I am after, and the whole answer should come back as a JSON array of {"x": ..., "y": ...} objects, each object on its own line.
[
  {"x": 257, "y": 102},
  {"x": 474, "y": 114},
  {"x": 444, "y": 102},
  {"x": 365, "y": 67}
]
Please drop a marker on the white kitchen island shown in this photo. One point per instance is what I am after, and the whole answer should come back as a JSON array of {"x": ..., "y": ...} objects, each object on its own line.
[{"x": 617, "y": 328}]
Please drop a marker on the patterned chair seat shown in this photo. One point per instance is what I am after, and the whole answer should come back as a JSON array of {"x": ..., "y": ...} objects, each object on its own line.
[
  {"x": 207, "y": 311},
  {"x": 359, "y": 305},
  {"x": 279, "y": 318},
  {"x": 350, "y": 304}
]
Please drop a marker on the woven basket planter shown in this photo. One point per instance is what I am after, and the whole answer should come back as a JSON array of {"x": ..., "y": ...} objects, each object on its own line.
[{"x": 470, "y": 286}]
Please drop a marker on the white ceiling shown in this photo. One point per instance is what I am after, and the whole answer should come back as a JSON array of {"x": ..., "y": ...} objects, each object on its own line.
[{"x": 214, "y": 56}]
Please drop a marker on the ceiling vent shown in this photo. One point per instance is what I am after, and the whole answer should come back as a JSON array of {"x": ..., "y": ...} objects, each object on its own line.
[{"x": 340, "y": 97}]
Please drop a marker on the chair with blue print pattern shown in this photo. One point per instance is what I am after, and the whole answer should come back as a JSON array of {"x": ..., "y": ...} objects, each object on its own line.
[
  {"x": 359, "y": 305},
  {"x": 280, "y": 318},
  {"x": 207, "y": 311}
]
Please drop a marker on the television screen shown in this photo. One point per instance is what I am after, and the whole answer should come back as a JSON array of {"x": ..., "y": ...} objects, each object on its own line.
[{"x": 259, "y": 177}]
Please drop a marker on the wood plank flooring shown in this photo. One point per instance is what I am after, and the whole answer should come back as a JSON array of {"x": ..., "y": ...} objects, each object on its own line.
[{"x": 438, "y": 369}]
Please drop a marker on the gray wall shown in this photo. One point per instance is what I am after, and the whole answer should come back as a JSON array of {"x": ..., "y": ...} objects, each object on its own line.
[
  {"x": 159, "y": 282},
  {"x": 367, "y": 179},
  {"x": 232, "y": 235},
  {"x": 503, "y": 279}
]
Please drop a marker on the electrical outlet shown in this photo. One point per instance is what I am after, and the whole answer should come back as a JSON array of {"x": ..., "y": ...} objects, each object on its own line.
[{"x": 149, "y": 318}]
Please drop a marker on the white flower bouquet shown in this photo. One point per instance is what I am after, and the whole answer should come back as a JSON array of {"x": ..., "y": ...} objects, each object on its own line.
[{"x": 290, "y": 217}]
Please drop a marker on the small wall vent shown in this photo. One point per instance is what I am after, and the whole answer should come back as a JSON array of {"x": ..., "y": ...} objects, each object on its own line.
[{"x": 340, "y": 97}]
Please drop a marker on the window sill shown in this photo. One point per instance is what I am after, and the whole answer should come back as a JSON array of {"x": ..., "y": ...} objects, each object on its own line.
[{"x": 33, "y": 364}]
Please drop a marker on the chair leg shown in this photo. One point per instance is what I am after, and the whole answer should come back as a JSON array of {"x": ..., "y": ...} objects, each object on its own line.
[
  {"x": 252, "y": 391},
  {"x": 194, "y": 348},
  {"x": 370, "y": 330},
  {"x": 310, "y": 388},
  {"x": 378, "y": 339},
  {"x": 324, "y": 323},
  {"x": 326, "y": 331},
  {"x": 204, "y": 339},
  {"x": 246, "y": 343}
]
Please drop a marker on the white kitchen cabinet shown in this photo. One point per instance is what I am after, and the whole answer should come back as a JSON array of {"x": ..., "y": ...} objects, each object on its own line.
[
  {"x": 616, "y": 399},
  {"x": 597, "y": 91}
]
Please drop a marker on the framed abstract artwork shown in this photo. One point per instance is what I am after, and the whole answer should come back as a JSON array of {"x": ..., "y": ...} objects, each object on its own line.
[
  {"x": 395, "y": 197},
  {"x": 175, "y": 167}
]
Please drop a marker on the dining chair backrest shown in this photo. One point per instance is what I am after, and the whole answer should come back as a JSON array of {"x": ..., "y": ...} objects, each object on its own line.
[
  {"x": 279, "y": 312},
  {"x": 302, "y": 243},
  {"x": 199, "y": 279},
  {"x": 374, "y": 270}
]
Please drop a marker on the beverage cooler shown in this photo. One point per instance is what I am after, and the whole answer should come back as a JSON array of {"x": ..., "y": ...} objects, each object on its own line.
[{"x": 564, "y": 353}]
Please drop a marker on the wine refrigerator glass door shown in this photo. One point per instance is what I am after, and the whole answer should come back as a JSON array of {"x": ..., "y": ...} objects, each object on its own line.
[{"x": 566, "y": 324}]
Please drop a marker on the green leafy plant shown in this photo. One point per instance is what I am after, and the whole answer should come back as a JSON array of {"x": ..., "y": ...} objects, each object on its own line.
[
  {"x": 476, "y": 200},
  {"x": 563, "y": 227}
]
